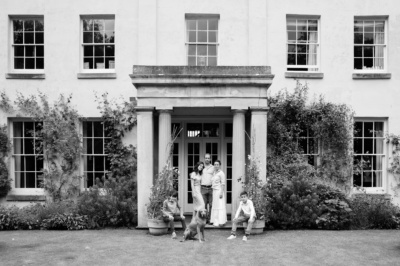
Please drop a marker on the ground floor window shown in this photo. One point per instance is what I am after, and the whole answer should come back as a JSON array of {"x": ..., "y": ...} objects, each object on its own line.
[
  {"x": 95, "y": 159},
  {"x": 369, "y": 149},
  {"x": 27, "y": 156}
]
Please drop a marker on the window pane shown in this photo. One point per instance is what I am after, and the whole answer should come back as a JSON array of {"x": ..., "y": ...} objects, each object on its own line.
[
  {"x": 368, "y": 38},
  {"x": 202, "y": 24},
  {"x": 291, "y": 36},
  {"x": 98, "y": 37},
  {"x": 30, "y": 163},
  {"x": 212, "y": 36},
  {"x": 30, "y": 180},
  {"x": 98, "y": 24},
  {"x": 109, "y": 24},
  {"x": 28, "y": 37},
  {"x": 212, "y": 24},
  {"x": 88, "y": 37},
  {"x": 39, "y": 37},
  {"x": 88, "y": 50},
  {"x": 97, "y": 129},
  {"x": 192, "y": 36},
  {"x": 109, "y": 37},
  {"x": 358, "y": 26},
  {"x": 99, "y": 163},
  {"x": 18, "y": 25},
  {"x": 18, "y": 51},
  {"x": 191, "y": 24},
  {"x": 368, "y": 51},
  {"x": 202, "y": 36},
  {"x": 39, "y": 50},
  {"x": 301, "y": 25},
  {"x": 18, "y": 37},
  {"x": 358, "y": 64},
  {"x": 358, "y": 38},
  {"x": 99, "y": 50},
  {"x": 98, "y": 146},
  {"x": 212, "y": 50},
  {"x": 301, "y": 36},
  {"x": 201, "y": 49},
  {"x": 192, "y": 49},
  {"x": 29, "y": 51},
  {"x": 379, "y": 26},
  {"x": 28, "y": 25},
  {"x": 301, "y": 48},
  {"x": 291, "y": 24},
  {"x": 212, "y": 61},
  {"x": 39, "y": 25},
  {"x": 211, "y": 130},
  {"x": 191, "y": 61},
  {"x": 368, "y": 26},
  {"x": 87, "y": 25},
  {"x": 379, "y": 38},
  {"x": 29, "y": 63},
  {"x": 301, "y": 59},
  {"x": 312, "y": 25},
  {"x": 369, "y": 63},
  {"x": 110, "y": 62},
  {"x": 194, "y": 130},
  {"x": 357, "y": 51},
  {"x": 291, "y": 59},
  {"x": 88, "y": 63},
  {"x": 110, "y": 50},
  {"x": 99, "y": 63},
  {"x": 39, "y": 63}
]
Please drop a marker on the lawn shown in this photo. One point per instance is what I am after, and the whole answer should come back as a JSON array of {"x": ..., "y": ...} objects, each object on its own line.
[{"x": 137, "y": 247}]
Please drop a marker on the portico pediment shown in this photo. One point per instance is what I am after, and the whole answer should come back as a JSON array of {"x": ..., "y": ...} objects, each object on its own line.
[{"x": 165, "y": 87}]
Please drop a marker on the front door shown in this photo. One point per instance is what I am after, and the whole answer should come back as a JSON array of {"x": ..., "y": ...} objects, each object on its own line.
[{"x": 195, "y": 151}]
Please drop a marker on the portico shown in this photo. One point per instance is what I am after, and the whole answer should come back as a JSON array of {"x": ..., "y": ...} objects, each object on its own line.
[{"x": 214, "y": 107}]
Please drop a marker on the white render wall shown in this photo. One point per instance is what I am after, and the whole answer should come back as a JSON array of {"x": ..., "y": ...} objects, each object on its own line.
[{"x": 251, "y": 32}]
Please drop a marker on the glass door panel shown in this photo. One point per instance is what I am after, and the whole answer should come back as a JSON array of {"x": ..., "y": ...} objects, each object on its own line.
[{"x": 192, "y": 157}]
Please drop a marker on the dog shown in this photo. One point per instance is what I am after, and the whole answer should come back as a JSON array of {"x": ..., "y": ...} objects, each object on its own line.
[{"x": 196, "y": 226}]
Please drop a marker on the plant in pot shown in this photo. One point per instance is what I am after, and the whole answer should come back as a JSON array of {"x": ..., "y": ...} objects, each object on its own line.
[
  {"x": 160, "y": 191},
  {"x": 253, "y": 185}
]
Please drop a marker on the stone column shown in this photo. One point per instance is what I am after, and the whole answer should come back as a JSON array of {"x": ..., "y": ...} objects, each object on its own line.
[
  {"x": 144, "y": 160},
  {"x": 259, "y": 137},
  {"x": 238, "y": 156},
  {"x": 164, "y": 137}
]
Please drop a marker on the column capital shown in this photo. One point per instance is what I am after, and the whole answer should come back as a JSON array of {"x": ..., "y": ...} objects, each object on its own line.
[
  {"x": 144, "y": 108},
  {"x": 259, "y": 109},
  {"x": 239, "y": 111},
  {"x": 164, "y": 111}
]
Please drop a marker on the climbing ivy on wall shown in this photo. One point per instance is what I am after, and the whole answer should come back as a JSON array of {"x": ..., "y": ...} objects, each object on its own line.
[
  {"x": 291, "y": 116},
  {"x": 5, "y": 182}
]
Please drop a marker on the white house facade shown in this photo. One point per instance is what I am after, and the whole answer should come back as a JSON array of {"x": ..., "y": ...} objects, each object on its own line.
[{"x": 204, "y": 66}]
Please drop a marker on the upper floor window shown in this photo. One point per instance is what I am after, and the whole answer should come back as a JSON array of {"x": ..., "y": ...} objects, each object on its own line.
[
  {"x": 369, "y": 148},
  {"x": 95, "y": 159},
  {"x": 28, "y": 160},
  {"x": 369, "y": 44},
  {"x": 98, "y": 42},
  {"x": 202, "y": 39},
  {"x": 302, "y": 43},
  {"x": 28, "y": 43}
]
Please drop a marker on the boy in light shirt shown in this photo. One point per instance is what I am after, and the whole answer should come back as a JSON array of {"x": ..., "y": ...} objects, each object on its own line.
[{"x": 245, "y": 213}]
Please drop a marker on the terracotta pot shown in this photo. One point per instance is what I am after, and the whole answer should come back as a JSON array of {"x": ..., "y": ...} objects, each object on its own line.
[
  {"x": 258, "y": 227},
  {"x": 157, "y": 227}
]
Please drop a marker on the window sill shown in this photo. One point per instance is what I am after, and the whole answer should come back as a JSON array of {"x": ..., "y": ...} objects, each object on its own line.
[
  {"x": 372, "y": 75},
  {"x": 97, "y": 75},
  {"x": 25, "y": 76},
  {"x": 303, "y": 75},
  {"x": 28, "y": 198}
]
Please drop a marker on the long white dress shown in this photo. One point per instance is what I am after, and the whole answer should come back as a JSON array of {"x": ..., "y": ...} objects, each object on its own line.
[
  {"x": 218, "y": 211},
  {"x": 198, "y": 201}
]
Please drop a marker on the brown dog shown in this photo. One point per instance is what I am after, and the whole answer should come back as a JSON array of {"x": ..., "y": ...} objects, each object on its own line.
[{"x": 196, "y": 226}]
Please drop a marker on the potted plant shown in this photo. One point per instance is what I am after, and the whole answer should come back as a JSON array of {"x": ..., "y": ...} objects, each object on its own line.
[
  {"x": 253, "y": 185},
  {"x": 160, "y": 191}
]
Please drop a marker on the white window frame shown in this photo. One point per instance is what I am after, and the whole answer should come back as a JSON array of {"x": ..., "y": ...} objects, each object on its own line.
[
  {"x": 385, "y": 62},
  {"x": 317, "y": 67},
  {"x": 197, "y": 17},
  {"x": 316, "y": 155},
  {"x": 12, "y": 46},
  {"x": 82, "y": 44},
  {"x": 14, "y": 189},
  {"x": 84, "y": 155},
  {"x": 383, "y": 188}
]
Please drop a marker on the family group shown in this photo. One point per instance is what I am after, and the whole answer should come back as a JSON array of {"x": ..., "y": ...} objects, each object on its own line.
[{"x": 208, "y": 183}]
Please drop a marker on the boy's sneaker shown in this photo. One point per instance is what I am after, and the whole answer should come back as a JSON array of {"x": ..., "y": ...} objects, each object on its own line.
[
  {"x": 173, "y": 235},
  {"x": 244, "y": 238},
  {"x": 231, "y": 237}
]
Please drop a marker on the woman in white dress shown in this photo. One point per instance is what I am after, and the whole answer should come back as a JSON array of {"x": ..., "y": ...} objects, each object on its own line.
[
  {"x": 195, "y": 178},
  {"x": 218, "y": 211}
]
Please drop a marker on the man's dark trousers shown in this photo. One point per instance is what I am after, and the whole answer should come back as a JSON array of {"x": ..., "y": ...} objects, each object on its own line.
[{"x": 206, "y": 192}]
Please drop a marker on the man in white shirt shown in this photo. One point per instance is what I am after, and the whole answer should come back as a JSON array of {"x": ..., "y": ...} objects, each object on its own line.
[
  {"x": 244, "y": 213},
  {"x": 206, "y": 189}
]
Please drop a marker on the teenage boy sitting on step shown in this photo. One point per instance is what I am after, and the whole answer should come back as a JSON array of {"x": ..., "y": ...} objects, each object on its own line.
[
  {"x": 173, "y": 212},
  {"x": 245, "y": 213}
]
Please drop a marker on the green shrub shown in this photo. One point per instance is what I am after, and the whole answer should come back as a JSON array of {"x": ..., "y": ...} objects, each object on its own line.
[
  {"x": 68, "y": 221},
  {"x": 371, "y": 212},
  {"x": 14, "y": 218}
]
